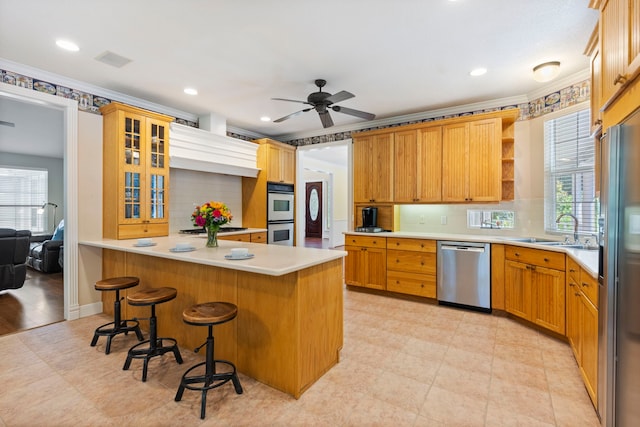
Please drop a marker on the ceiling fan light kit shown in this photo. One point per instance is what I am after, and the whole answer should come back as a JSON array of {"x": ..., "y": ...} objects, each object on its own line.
[{"x": 322, "y": 102}]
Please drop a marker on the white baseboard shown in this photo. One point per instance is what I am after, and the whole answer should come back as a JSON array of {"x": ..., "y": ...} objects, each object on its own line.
[{"x": 90, "y": 309}]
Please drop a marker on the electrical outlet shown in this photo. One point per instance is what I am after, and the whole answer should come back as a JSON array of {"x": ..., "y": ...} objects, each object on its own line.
[
  {"x": 421, "y": 220},
  {"x": 443, "y": 220}
]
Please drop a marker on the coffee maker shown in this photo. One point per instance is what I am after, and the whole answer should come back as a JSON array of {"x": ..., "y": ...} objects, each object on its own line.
[
  {"x": 369, "y": 220},
  {"x": 369, "y": 217}
]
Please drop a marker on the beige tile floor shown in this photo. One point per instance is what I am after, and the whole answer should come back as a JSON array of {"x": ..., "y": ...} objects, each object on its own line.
[{"x": 403, "y": 363}]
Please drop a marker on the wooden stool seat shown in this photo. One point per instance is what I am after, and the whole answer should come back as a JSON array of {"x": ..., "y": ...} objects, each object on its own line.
[
  {"x": 152, "y": 296},
  {"x": 118, "y": 326},
  {"x": 210, "y": 313},
  {"x": 117, "y": 283},
  {"x": 154, "y": 346}
]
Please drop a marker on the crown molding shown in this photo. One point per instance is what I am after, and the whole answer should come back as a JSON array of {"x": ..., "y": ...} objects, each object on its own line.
[
  {"x": 58, "y": 79},
  {"x": 442, "y": 112}
]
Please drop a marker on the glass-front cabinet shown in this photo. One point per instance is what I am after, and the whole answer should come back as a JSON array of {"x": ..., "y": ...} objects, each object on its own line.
[{"x": 135, "y": 172}]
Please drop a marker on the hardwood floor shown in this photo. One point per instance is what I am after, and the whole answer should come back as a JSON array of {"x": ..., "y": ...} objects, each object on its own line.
[{"x": 39, "y": 302}]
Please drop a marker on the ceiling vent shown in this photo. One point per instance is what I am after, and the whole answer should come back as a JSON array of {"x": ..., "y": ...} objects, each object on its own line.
[{"x": 112, "y": 59}]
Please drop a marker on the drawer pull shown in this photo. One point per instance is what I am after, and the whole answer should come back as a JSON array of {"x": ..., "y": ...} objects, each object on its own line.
[
  {"x": 546, "y": 259},
  {"x": 397, "y": 243},
  {"x": 517, "y": 254},
  {"x": 422, "y": 285},
  {"x": 585, "y": 284}
]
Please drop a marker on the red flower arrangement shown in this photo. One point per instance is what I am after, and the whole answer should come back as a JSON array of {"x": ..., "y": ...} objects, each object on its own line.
[{"x": 211, "y": 214}]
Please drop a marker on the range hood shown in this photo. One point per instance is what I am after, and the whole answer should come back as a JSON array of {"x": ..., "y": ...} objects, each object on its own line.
[{"x": 196, "y": 149}]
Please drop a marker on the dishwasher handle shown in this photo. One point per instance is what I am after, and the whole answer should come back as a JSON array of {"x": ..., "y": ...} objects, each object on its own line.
[{"x": 462, "y": 248}]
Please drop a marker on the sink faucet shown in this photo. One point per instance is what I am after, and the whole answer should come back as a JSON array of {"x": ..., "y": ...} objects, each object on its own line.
[{"x": 575, "y": 225}]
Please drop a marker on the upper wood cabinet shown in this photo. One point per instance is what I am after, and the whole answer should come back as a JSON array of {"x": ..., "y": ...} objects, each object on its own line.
[
  {"x": 373, "y": 168},
  {"x": 593, "y": 52},
  {"x": 280, "y": 161},
  {"x": 472, "y": 161},
  {"x": 135, "y": 172},
  {"x": 620, "y": 43},
  {"x": 418, "y": 165}
]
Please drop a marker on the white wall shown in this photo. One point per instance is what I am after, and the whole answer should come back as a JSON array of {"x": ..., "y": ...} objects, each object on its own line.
[
  {"x": 55, "y": 190},
  {"x": 529, "y": 191}
]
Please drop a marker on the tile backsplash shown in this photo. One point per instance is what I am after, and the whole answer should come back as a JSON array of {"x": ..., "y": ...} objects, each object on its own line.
[{"x": 192, "y": 188}]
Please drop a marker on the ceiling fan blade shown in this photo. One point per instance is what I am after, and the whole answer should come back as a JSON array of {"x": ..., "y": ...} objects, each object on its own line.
[
  {"x": 352, "y": 112},
  {"x": 282, "y": 119},
  {"x": 291, "y": 100},
  {"x": 340, "y": 96},
  {"x": 326, "y": 119}
]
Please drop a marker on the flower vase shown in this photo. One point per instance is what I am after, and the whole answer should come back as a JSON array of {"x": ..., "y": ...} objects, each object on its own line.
[{"x": 212, "y": 237}]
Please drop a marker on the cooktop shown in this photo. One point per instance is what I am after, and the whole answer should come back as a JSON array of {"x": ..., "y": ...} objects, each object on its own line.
[{"x": 203, "y": 230}]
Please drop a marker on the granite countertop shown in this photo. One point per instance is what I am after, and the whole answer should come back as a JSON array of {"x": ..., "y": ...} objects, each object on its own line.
[
  {"x": 272, "y": 260},
  {"x": 587, "y": 259}
]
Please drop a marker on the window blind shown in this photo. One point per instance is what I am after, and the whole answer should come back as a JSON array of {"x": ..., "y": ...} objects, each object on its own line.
[
  {"x": 22, "y": 193},
  {"x": 570, "y": 174}
]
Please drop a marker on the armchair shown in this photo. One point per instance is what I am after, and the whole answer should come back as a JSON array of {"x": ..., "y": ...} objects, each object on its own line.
[
  {"x": 14, "y": 248},
  {"x": 44, "y": 251}
]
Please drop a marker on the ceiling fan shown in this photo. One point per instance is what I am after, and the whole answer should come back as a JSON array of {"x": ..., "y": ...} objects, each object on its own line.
[{"x": 322, "y": 102}]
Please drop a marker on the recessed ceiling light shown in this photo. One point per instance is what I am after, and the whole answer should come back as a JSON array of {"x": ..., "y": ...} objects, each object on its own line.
[
  {"x": 265, "y": 119},
  {"x": 190, "y": 91},
  {"x": 478, "y": 72},
  {"x": 67, "y": 45}
]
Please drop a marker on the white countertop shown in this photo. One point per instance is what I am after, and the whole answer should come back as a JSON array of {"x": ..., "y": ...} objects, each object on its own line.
[
  {"x": 587, "y": 259},
  {"x": 272, "y": 260}
]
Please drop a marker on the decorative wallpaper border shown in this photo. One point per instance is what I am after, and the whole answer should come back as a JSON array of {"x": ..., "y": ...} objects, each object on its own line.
[
  {"x": 87, "y": 102},
  {"x": 555, "y": 101},
  {"x": 90, "y": 103}
]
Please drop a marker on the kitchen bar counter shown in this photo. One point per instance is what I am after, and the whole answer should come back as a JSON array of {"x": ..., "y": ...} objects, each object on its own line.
[
  {"x": 289, "y": 328},
  {"x": 272, "y": 260},
  {"x": 587, "y": 259}
]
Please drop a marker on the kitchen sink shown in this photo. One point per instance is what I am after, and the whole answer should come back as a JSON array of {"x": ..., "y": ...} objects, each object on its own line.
[
  {"x": 568, "y": 245},
  {"x": 532, "y": 240}
]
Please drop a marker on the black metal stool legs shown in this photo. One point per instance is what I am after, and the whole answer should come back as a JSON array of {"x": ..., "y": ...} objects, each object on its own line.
[
  {"x": 118, "y": 326},
  {"x": 156, "y": 347},
  {"x": 211, "y": 379}
]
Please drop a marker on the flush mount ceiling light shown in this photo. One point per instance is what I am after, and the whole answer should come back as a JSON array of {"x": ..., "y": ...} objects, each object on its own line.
[
  {"x": 478, "y": 72},
  {"x": 190, "y": 91},
  {"x": 546, "y": 72},
  {"x": 67, "y": 45}
]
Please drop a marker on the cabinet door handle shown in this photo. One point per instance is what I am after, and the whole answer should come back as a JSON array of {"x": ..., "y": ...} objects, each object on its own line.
[
  {"x": 572, "y": 270},
  {"x": 533, "y": 267},
  {"x": 585, "y": 284},
  {"x": 597, "y": 122},
  {"x": 577, "y": 294},
  {"x": 620, "y": 78}
]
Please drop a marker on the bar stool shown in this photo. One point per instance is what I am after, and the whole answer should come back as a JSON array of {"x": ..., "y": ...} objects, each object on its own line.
[
  {"x": 154, "y": 346},
  {"x": 118, "y": 326},
  {"x": 209, "y": 314}
]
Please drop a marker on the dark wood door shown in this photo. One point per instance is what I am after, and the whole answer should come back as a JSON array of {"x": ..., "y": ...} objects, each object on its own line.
[{"x": 313, "y": 227}]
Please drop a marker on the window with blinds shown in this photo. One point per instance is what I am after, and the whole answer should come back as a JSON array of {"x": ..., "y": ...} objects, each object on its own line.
[
  {"x": 22, "y": 194},
  {"x": 569, "y": 170}
]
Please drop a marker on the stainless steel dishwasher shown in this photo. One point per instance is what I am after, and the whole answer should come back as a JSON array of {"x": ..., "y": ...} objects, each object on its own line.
[{"x": 464, "y": 274}]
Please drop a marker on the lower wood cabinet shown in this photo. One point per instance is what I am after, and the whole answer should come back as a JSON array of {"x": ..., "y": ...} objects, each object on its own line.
[
  {"x": 259, "y": 237},
  {"x": 535, "y": 286},
  {"x": 411, "y": 266},
  {"x": 582, "y": 324},
  {"x": 366, "y": 261}
]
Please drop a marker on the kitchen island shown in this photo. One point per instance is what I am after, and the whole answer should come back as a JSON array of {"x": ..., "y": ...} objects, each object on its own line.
[{"x": 289, "y": 329}]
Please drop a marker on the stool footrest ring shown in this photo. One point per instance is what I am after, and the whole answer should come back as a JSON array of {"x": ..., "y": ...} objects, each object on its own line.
[
  {"x": 110, "y": 330},
  {"x": 158, "y": 348}
]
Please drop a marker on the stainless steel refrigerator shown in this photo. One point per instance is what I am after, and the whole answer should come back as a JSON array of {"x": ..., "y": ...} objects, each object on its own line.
[{"x": 619, "y": 290}]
